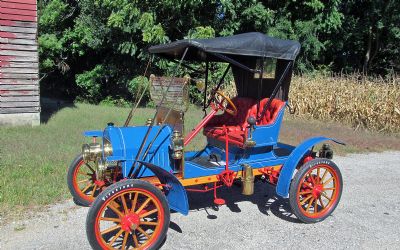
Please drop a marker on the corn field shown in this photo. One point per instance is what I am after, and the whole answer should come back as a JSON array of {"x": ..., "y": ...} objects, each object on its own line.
[
  {"x": 352, "y": 99},
  {"x": 371, "y": 103}
]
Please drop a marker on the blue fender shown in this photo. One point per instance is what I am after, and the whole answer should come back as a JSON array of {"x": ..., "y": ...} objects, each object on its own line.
[
  {"x": 176, "y": 195},
  {"x": 289, "y": 166},
  {"x": 93, "y": 133}
]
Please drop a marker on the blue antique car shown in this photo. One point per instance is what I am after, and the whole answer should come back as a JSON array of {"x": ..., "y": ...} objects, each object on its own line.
[{"x": 132, "y": 176}]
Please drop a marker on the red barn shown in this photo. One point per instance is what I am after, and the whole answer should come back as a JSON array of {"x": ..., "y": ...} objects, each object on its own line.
[{"x": 19, "y": 85}]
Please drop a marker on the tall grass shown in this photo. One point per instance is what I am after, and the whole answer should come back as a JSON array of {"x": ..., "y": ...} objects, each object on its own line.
[
  {"x": 34, "y": 160},
  {"x": 361, "y": 102}
]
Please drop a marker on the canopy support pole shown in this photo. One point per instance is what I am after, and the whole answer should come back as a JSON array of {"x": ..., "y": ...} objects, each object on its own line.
[
  {"x": 278, "y": 85},
  {"x": 134, "y": 174},
  {"x": 234, "y": 62},
  {"x": 219, "y": 84},
  {"x": 260, "y": 84},
  {"x": 205, "y": 90}
]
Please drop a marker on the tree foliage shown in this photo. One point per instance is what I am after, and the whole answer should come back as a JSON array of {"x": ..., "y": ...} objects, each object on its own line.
[{"x": 93, "y": 49}]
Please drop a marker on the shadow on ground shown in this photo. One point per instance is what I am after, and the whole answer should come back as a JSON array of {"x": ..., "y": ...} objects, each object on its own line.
[
  {"x": 50, "y": 106},
  {"x": 264, "y": 197}
]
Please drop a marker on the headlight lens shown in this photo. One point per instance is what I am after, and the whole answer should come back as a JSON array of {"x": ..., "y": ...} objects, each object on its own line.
[
  {"x": 107, "y": 148},
  {"x": 91, "y": 152}
]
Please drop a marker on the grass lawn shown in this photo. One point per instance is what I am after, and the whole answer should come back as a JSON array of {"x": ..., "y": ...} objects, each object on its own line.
[{"x": 34, "y": 161}]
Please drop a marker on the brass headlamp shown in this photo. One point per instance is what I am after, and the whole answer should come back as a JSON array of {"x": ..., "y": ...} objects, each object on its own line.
[
  {"x": 91, "y": 151},
  {"x": 101, "y": 167},
  {"x": 177, "y": 145},
  {"x": 107, "y": 147}
]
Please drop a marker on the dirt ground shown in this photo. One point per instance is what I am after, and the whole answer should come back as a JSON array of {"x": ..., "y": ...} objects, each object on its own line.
[{"x": 367, "y": 217}]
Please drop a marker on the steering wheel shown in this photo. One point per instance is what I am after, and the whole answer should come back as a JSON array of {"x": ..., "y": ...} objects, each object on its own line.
[{"x": 220, "y": 104}]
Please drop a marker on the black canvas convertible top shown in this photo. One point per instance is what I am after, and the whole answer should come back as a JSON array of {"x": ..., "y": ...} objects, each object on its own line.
[{"x": 247, "y": 44}]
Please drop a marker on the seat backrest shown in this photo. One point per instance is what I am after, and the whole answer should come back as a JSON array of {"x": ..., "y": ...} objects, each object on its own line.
[
  {"x": 244, "y": 106},
  {"x": 271, "y": 113}
]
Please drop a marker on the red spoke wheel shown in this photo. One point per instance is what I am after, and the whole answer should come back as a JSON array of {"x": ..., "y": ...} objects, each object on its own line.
[
  {"x": 315, "y": 190},
  {"x": 82, "y": 183},
  {"x": 130, "y": 214}
]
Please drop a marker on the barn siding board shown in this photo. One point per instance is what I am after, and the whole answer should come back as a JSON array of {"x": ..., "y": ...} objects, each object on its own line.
[
  {"x": 11, "y": 35},
  {"x": 19, "y": 47},
  {"x": 18, "y": 82},
  {"x": 33, "y": 2},
  {"x": 19, "y": 58},
  {"x": 18, "y": 29},
  {"x": 6, "y": 65},
  {"x": 19, "y": 92},
  {"x": 18, "y": 41},
  {"x": 5, "y": 10},
  {"x": 19, "y": 110},
  {"x": 19, "y": 17},
  {"x": 18, "y": 76},
  {"x": 19, "y": 98},
  {"x": 19, "y": 64},
  {"x": 5, "y": 52},
  {"x": 5, "y": 87},
  {"x": 20, "y": 6},
  {"x": 18, "y": 24},
  {"x": 18, "y": 70},
  {"x": 18, "y": 104}
]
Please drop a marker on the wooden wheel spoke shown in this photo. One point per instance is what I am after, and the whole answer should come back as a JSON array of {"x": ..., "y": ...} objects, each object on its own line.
[
  {"x": 134, "y": 201},
  {"x": 91, "y": 169},
  {"x": 326, "y": 196},
  {"x": 126, "y": 210},
  {"x": 135, "y": 240},
  {"x": 318, "y": 172},
  {"x": 143, "y": 232},
  {"x": 320, "y": 201},
  {"x": 306, "y": 199},
  {"x": 331, "y": 188},
  {"x": 126, "y": 235},
  {"x": 305, "y": 192},
  {"x": 148, "y": 223},
  {"x": 143, "y": 205},
  {"x": 308, "y": 184},
  {"x": 115, "y": 237},
  {"x": 309, "y": 204},
  {"x": 329, "y": 180},
  {"x": 87, "y": 187},
  {"x": 312, "y": 179},
  {"x": 83, "y": 173},
  {"x": 110, "y": 219},
  {"x": 93, "y": 190},
  {"x": 111, "y": 229},
  {"x": 316, "y": 206},
  {"x": 82, "y": 181},
  {"x": 148, "y": 213},
  {"x": 116, "y": 210},
  {"x": 323, "y": 176}
]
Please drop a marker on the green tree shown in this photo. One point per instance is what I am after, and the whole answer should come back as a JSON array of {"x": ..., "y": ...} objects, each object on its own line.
[{"x": 103, "y": 43}]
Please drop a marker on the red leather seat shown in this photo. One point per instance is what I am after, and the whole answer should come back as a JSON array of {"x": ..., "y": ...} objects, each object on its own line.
[
  {"x": 271, "y": 113},
  {"x": 237, "y": 126}
]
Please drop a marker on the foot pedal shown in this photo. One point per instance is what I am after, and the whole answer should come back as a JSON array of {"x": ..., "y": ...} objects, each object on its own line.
[{"x": 219, "y": 201}]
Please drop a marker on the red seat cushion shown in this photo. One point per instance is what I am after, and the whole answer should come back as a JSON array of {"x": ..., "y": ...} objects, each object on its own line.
[
  {"x": 271, "y": 113},
  {"x": 237, "y": 125}
]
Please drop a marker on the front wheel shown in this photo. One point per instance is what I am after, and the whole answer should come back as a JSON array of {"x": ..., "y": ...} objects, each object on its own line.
[
  {"x": 82, "y": 182},
  {"x": 315, "y": 190},
  {"x": 130, "y": 214}
]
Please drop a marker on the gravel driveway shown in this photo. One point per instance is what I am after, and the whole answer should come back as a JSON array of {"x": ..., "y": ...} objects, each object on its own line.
[{"x": 368, "y": 216}]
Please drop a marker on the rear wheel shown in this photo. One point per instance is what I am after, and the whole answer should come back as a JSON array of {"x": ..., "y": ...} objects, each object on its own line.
[
  {"x": 130, "y": 214},
  {"x": 315, "y": 190},
  {"x": 82, "y": 183}
]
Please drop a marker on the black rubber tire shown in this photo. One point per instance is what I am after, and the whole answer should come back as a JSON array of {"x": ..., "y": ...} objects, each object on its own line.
[
  {"x": 113, "y": 190},
  {"x": 296, "y": 182},
  {"x": 70, "y": 175}
]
